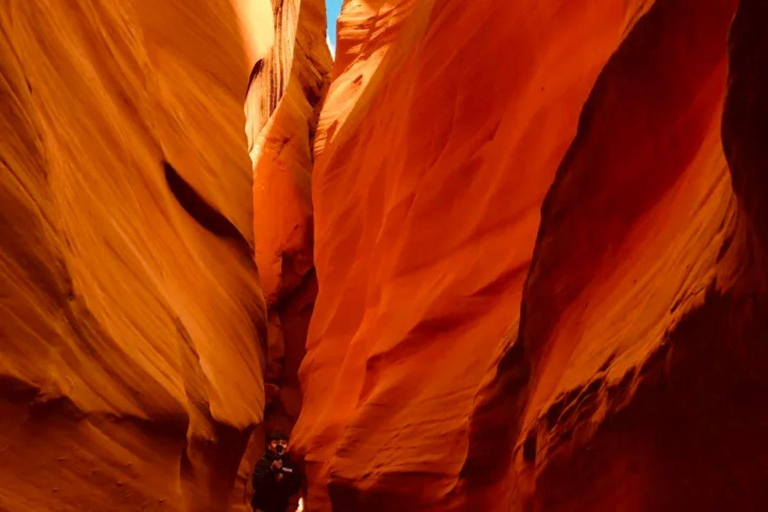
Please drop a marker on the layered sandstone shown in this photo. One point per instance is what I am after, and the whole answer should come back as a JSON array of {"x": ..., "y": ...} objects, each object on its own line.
[
  {"x": 130, "y": 312},
  {"x": 540, "y": 247}
]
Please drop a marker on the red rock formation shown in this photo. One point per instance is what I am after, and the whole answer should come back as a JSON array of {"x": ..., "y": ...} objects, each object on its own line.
[
  {"x": 466, "y": 353},
  {"x": 130, "y": 313}
]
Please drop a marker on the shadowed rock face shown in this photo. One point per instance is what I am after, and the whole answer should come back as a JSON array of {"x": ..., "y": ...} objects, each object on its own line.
[
  {"x": 130, "y": 311},
  {"x": 540, "y": 246}
]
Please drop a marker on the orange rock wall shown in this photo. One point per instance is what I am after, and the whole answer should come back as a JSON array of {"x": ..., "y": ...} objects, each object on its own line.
[
  {"x": 130, "y": 311},
  {"x": 541, "y": 277}
]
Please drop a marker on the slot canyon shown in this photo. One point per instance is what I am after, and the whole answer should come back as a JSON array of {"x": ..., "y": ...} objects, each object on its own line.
[{"x": 472, "y": 255}]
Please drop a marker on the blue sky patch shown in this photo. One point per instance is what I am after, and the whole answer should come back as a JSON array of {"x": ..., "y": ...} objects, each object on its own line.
[{"x": 333, "y": 7}]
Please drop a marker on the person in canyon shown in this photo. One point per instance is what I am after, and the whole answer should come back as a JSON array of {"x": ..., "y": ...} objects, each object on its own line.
[{"x": 275, "y": 478}]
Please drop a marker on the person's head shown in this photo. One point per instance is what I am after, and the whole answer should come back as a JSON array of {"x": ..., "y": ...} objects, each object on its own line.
[{"x": 277, "y": 442}]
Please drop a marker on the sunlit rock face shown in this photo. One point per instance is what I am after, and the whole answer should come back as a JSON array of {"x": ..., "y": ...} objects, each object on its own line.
[
  {"x": 540, "y": 247},
  {"x": 130, "y": 310}
]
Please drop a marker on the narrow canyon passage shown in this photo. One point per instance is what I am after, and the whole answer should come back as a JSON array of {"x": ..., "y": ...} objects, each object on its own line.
[{"x": 498, "y": 256}]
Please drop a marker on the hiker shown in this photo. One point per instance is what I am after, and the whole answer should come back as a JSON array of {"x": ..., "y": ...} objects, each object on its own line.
[{"x": 275, "y": 479}]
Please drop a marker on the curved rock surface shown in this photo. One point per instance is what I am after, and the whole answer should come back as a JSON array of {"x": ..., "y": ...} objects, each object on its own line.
[
  {"x": 130, "y": 310},
  {"x": 540, "y": 248}
]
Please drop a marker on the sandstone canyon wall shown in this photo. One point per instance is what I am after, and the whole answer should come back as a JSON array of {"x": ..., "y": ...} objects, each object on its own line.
[
  {"x": 533, "y": 233},
  {"x": 131, "y": 318},
  {"x": 540, "y": 246}
]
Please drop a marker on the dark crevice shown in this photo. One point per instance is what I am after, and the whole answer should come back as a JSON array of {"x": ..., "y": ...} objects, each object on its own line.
[
  {"x": 197, "y": 207},
  {"x": 529, "y": 448},
  {"x": 254, "y": 73}
]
